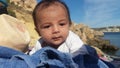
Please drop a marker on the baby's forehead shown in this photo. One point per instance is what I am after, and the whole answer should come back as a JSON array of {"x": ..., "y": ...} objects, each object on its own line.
[{"x": 54, "y": 4}]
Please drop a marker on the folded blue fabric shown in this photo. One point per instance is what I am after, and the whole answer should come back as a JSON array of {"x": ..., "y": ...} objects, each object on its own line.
[
  {"x": 52, "y": 58},
  {"x": 10, "y": 58},
  {"x": 44, "y": 58},
  {"x": 47, "y": 57},
  {"x": 86, "y": 57}
]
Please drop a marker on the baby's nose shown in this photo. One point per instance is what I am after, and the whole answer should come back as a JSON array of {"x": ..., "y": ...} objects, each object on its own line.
[{"x": 56, "y": 29}]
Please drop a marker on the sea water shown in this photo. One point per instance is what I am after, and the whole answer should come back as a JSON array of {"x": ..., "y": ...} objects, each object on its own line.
[{"x": 114, "y": 38}]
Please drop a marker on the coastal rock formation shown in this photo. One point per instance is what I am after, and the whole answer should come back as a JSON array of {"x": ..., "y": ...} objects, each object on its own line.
[
  {"x": 25, "y": 16},
  {"x": 92, "y": 37},
  {"x": 83, "y": 31},
  {"x": 26, "y": 4}
]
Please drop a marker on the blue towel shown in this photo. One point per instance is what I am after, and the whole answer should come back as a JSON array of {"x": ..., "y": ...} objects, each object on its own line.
[{"x": 52, "y": 58}]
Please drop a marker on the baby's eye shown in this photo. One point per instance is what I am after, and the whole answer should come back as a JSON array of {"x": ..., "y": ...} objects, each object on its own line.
[
  {"x": 48, "y": 26},
  {"x": 62, "y": 24}
]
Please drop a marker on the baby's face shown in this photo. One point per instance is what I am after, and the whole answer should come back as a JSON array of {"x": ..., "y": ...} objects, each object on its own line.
[{"x": 53, "y": 25}]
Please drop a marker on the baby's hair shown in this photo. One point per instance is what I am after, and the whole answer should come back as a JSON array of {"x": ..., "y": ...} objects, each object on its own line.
[{"x": 47, "y": 3}]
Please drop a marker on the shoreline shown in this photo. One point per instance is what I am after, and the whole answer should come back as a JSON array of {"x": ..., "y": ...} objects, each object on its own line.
[{"x": 113, "y": 37}]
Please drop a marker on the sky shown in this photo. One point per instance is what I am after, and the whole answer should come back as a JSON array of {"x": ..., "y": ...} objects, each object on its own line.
[{"x": 94, "y": 13}]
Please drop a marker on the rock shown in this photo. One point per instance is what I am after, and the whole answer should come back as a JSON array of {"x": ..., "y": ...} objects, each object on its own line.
[
  {"x": 98, "y": 33},
  {"x": 26, "y": 17},
  {"x": 13, "y": 33},
  {"x": 26, "y": 4},
  {"x": 92, "y": 37},
  {"x": 102, "y": 44},
  {"x": 83, "y": 31}
]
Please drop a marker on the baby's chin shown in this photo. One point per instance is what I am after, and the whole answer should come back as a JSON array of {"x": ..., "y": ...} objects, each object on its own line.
[{"x": 56, "y": 45}]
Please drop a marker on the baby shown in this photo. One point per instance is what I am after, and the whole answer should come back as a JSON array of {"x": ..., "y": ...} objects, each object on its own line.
[{"x": 52, "y": 22}]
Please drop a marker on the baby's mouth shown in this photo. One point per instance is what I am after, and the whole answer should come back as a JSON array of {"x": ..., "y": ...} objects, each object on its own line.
[{"x": 56, "y": 38}]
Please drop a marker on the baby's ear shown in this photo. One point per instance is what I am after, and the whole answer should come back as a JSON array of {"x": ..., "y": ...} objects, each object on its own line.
[{"x": 37, "y": 31}]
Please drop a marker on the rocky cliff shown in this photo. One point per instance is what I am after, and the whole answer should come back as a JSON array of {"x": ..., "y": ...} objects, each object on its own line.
[
  {"x": 25, "y": 4},
  {"x": 92, "y": 37},
  {"x": 85, "y": 32},
  {"x": 25, "y": 16}
]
